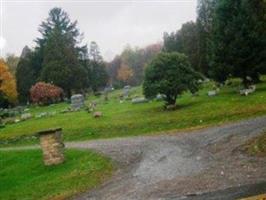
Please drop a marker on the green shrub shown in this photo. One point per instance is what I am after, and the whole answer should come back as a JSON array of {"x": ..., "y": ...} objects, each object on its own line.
[{"x": 170, "y": 74}]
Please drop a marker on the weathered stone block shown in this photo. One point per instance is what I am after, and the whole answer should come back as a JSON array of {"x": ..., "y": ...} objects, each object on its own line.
[{"x": 52, "y": 146}]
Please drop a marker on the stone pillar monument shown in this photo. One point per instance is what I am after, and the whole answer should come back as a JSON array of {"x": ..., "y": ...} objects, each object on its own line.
[{"x": 52, "y": 146}]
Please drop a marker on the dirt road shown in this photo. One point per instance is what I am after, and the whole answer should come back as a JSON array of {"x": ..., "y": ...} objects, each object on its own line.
[{"x": 181, "y": 165}]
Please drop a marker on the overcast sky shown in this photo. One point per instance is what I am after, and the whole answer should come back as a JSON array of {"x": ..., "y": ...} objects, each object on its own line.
[{"x": 112, "y": 24}]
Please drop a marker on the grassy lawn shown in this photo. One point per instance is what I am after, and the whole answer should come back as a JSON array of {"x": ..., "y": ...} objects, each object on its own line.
[
  {"x": 127, "y": 119},
  {"x": 24, "y": 177}
]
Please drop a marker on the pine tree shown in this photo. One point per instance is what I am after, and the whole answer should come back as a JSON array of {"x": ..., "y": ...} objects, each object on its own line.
[
  {"x": 206, "y": 11},
  {"x": 61, "y": 53},
  {"x": 25, "y": 75},
  {"x": 185, "y": 41},
  {"x": 239, "y": 40},
  {"x": 96, "y": 68},
  {"x": 61, "y": 65}
]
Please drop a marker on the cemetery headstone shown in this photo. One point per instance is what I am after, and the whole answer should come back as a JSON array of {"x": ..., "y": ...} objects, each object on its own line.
[
  {"x": 212, "y": 93},
  {"x": 106, "y": 92},
  {"x": 139, "y": 100},
  {"x": 52, "y": 146},
  {"x": 126, "y": 91},
  {"x": 160, "y": 97},
  {"x": 170, "y": 107},
  {"x": 26, "y": 116},
  {"x": 248, "y": 91},
  {"x": 77, "y": 101},
  {"x": 40, "y": 115}
]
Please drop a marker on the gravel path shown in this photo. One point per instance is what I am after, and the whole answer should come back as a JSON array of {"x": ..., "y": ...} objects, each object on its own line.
[
  {"x": 179, "y": 165},
  {"x": 174, "y": 166}
]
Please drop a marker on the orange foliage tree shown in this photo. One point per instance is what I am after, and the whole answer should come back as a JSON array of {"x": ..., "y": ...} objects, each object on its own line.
[
  {"x": 124, "y": 73},
  {"x": 7, "y": 83}
]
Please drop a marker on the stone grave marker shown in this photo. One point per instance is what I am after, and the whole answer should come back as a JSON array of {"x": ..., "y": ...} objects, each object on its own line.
[
  {"x": 126, "y": 91},
  {"x": 212, "y": 93},
  {"x": 26, "y": 116},
  {"x": 77, "y": 101},
  {"x": 139, "y": 100}
]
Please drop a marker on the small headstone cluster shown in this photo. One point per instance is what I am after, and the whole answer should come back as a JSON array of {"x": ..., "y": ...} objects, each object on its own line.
[
  {"x": 246, "y": 92},
  {"x": 24, "y": 116},
  {"x": 45, "y": 114},
  {"x": 92, "y": 109},
  {"x": 12, "y": 112},
  {"x": 13, "y": 115}
]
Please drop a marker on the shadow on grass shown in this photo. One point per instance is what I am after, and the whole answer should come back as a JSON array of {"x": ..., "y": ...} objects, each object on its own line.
[{"x": 179, "y": 106}]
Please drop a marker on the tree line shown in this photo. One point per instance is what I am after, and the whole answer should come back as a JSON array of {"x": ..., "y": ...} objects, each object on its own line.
[
  {"x": 61, "y": 59},
  {"x": 228, "y": 39},
  {"x": 128, "y": 68}
]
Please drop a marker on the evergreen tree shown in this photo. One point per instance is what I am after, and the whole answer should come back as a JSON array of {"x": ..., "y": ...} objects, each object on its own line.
[
  {"x": 206, "y": 9},
  {"x": 95, "y": 54},
  {"x": 98, "y": 77},
  {"x": 59, "y": 19},
  {"x": 96, "y": 68},
  {"x": 12, "y": 63},
  {"x": 25, "y": 75},
  {"x": 185, "y": 41},
  {"x": 61, "y": 53},
  {"x": 239, "y": 40},
  {"x": 61, "y": 65}
]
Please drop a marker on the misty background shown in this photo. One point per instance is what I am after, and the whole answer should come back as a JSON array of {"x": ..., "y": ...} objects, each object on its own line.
[{"x": 112, "y": 24}]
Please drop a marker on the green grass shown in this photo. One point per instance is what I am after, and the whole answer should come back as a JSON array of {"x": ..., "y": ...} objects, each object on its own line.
[
  {"x": 127, "y": 119},
  {"x": 24, "y": 177}
]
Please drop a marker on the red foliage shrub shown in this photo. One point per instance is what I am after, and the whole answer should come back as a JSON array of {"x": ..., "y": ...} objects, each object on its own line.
[{"x": 45, "y": 93}]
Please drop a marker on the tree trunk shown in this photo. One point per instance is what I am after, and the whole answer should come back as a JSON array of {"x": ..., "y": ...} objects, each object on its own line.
[
  {"x": 170, "y": 100},
  {"x": 68, "y": 93},
  {"x": 246, "y": 82}
]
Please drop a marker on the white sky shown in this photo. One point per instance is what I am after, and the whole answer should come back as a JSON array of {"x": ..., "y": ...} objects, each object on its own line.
[{"x": 112, "y": 24}]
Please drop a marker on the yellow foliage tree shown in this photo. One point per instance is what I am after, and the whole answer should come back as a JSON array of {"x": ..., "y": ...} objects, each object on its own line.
[
  {"x": 124, "y": 73},
  {"x": 7, "y": 83}
]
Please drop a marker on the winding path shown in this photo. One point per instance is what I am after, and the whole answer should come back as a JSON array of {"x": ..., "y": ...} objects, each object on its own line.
[{"x": 181, "y": 165}]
